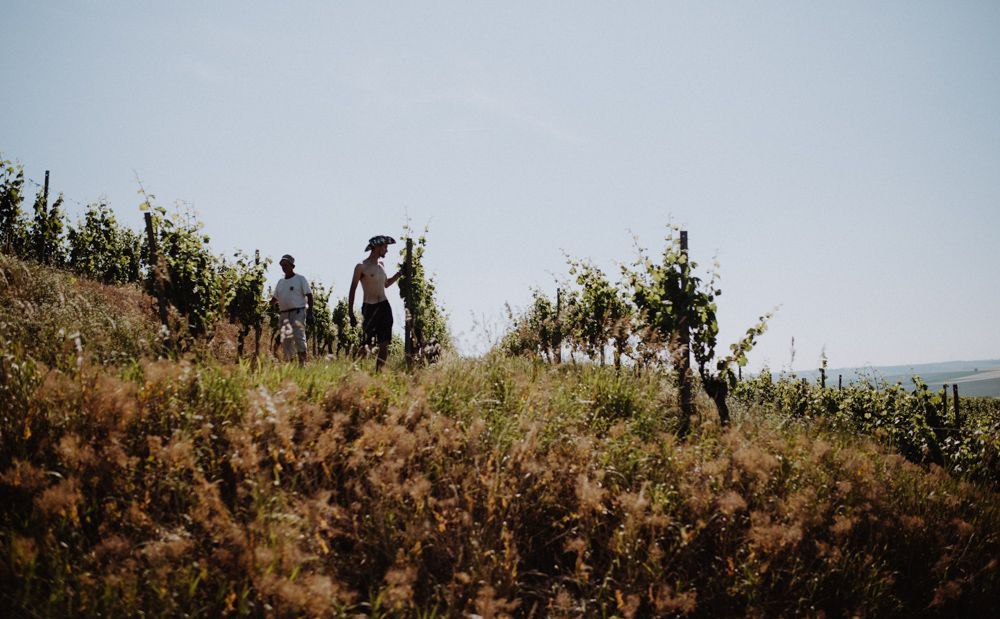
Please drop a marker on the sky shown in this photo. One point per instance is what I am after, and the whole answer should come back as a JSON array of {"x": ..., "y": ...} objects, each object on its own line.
[{"x": 840, "y": 160}]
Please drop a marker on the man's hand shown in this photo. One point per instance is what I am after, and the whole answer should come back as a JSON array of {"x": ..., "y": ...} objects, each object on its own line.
[
  {"x": 310, "y": 317},
  {"x": 354, "y": 319}
]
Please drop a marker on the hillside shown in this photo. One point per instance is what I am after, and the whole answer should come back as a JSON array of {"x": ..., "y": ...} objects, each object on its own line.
[
  {"x": 494, "y": 486},
  {"x": 51, "y": 313},
  {"x": 57, "y": 317}
]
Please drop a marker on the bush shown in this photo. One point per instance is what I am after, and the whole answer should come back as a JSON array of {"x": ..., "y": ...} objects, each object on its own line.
[
  {"x": 102, "y": 250},
  {"x": 911, "y": 422},
  {"x": 190, "y": 275}
]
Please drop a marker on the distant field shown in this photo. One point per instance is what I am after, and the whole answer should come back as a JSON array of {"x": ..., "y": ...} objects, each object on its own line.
[
  {"x": 983, "y": 384},
  {"x": 974, "y": 378}
]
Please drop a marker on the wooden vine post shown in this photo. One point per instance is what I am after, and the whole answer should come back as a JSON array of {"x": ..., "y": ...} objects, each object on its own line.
[
  {"x": 958, "y": 418},
  {"x": 258, "y": 323},
  {"x": 557, "y": 328},
  {"x": 45, "y": 257},
  {"x": 684, "y": 337},
  {"x": 408, "y": 302},
  {"x": 154, "y": 259}
]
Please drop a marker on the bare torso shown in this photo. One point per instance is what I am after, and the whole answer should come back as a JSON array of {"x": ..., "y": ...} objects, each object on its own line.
[{"x": 372, "y": 280}]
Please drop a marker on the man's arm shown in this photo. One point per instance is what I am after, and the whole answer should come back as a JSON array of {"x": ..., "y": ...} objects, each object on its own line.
[
  {"x": 392, "y": 280},
  {"x": 350, "y": 297}
]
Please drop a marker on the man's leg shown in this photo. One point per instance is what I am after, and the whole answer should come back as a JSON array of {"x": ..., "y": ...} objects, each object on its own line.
[
  {"x": 366, "y": 334},
  {"x": 383, "y": 354},
  {"x": 384, "y": 330},
  {"x": 287, "y": 335},
  {"x": 300, "y": 336}
]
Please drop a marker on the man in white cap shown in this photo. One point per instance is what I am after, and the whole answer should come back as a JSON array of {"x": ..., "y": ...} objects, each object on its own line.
[
  {"x": 294, "y": 299},
  {"x": 376, "y": 313}
]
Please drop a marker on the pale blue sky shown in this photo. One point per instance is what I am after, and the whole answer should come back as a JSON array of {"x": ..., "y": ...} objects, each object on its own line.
[{"x": 842, "y": 159}]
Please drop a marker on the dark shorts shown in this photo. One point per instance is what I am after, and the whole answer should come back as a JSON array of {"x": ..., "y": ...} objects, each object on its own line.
[{"x": 376, "y": 322}]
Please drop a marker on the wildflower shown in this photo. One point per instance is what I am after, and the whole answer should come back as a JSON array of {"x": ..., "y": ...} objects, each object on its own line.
[
  {"x": 912, "y": 523},
  {"x": 756, "y": 462},
  {"x": 950, "y": 590},
  {"x": 731, "y": 502},
  {"x": 73, "y": 453},
  {"x": 820, "y": 449},
  {"x": 24, "y": 475},
  {"x": 963, "y": 528},
  {"x": 578, "y": 546},
  {"x": 589, "y": 493},
  {"x": 770, "y": 536},
  {"x": 61, "y": 501},
  {"x": 112, "y": 548},
  {"x": 171, "y": 547},
  {"x": 842, "y": 525},
  {"x": 24, "y": 552},
  {"x": 489, "y": 606},
  {"x": 666, "y": 601},
  {"x": 399, "y": 581},
  {"x": 628, "y": 605}
]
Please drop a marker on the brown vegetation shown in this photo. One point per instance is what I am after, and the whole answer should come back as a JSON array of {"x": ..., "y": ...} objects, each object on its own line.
[{"x": 494, "y": 487}]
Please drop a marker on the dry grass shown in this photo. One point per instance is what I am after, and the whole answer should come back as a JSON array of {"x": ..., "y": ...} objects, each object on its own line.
[
  {"x": 492, "y": 487},
  {"x": 496, "y": 487}
]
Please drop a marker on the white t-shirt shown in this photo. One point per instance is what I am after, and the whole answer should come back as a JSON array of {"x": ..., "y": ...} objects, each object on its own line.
[{"x": 291, "y": 292}]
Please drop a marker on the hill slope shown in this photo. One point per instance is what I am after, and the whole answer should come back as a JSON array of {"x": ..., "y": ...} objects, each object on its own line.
[
  {"x": 51, "y": 313},
  {"x": 501, "y": 487}
]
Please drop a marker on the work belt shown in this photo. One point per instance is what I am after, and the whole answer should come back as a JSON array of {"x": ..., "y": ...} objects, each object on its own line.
[{"x": 294, "y": 309}]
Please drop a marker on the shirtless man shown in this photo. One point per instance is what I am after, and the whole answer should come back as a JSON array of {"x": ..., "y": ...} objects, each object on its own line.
[{"x": 376, "y": 314}]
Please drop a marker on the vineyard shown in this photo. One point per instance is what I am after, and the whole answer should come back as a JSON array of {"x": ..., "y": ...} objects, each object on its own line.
[
  {"x": 606, "y": 458},
  {"x": 172, "y": 261}
]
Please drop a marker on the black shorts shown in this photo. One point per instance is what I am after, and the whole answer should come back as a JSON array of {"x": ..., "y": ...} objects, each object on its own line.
[{"x": 376, "y": 322}]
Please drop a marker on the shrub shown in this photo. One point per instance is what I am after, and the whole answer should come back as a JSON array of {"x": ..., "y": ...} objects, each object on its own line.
[{"x": 102, "y": 250}]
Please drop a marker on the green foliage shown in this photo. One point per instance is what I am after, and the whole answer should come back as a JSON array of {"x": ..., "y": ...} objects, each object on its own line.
[
  {"x": 669, "y": 298},
  {"x": 247, "y": 307},
  {"x": 348, "y": 338},
  {"x": 188, "y": 272},
  {"x": 416, "y": 288},
  {"x": 541, "y": 329},
  {"x": 599, "y": 314},
  {"x": 913, "y": 422},
  {"x": 13, "y": 228},
  {"x": 587, "y": 318},
  {"x": 46, "y": 243},
  {"x": 672, "y": 301},
  {"x": 322, "y": 329},
  {"x": 103, "y": 250}
]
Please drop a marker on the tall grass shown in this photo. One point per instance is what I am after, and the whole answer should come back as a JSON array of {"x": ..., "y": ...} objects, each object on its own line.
[
  {"x": 56, "y": 316},
  {"x": 496, "y": 487}
]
